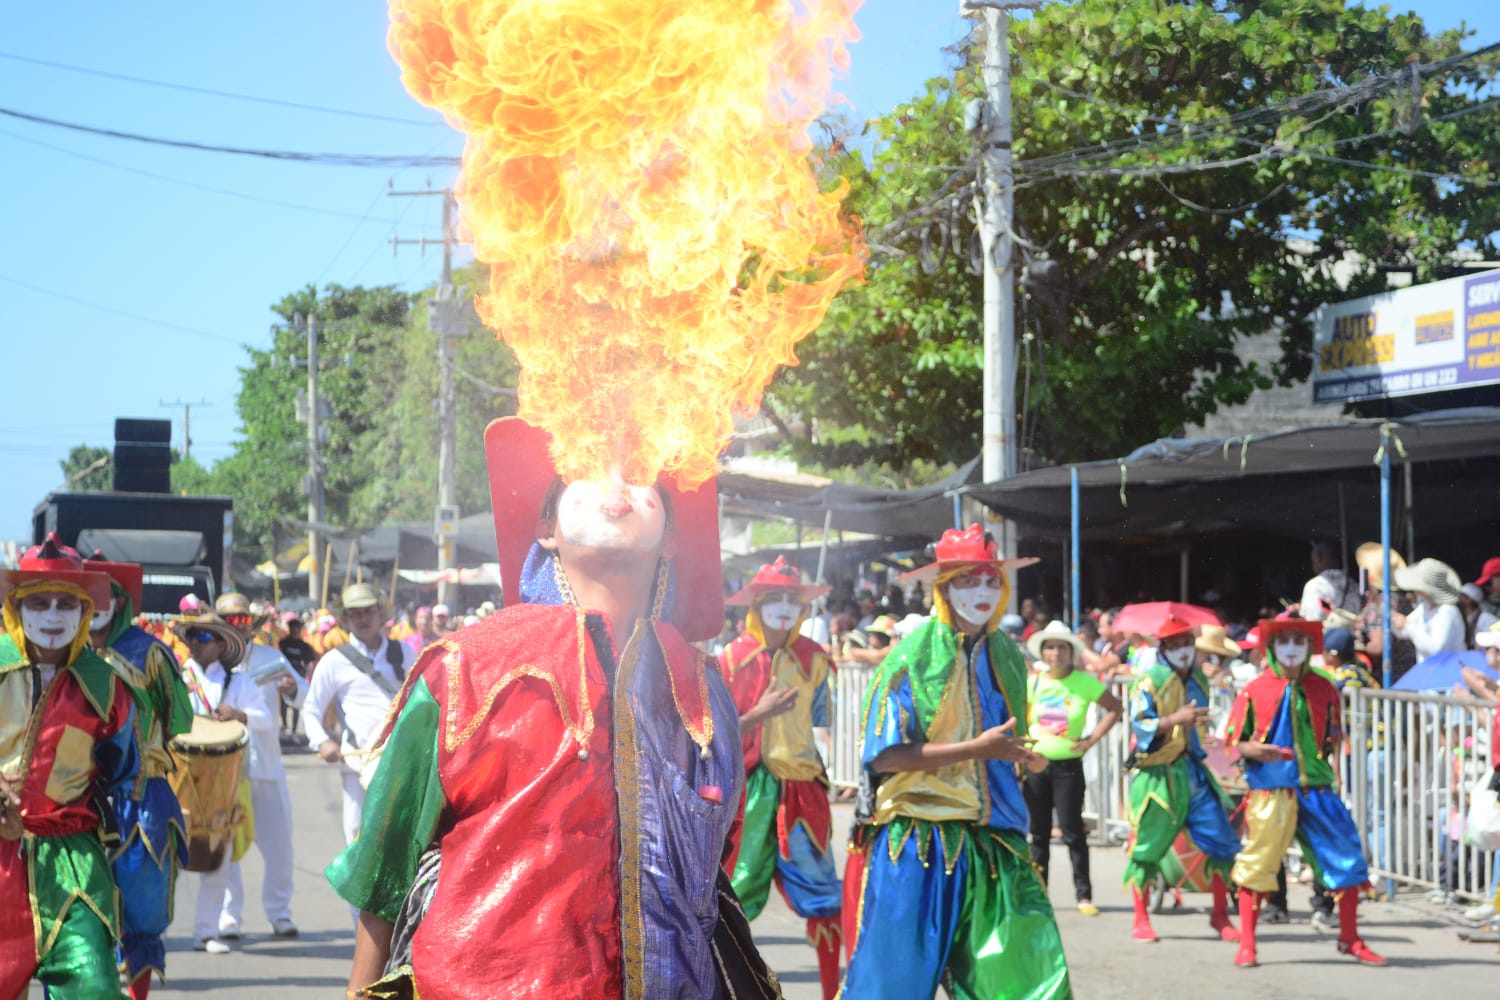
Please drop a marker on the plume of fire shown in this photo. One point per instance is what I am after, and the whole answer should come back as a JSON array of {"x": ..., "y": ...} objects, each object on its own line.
[{"x": 636, "y": 175}]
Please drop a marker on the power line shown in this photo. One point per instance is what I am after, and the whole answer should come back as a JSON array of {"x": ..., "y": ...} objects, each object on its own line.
[
  {"x": 187, "y": 88},
  {"x": 325, "y": 159},
  {"x": 64, "y": 296},
  {"x": 260, "y": 199}
]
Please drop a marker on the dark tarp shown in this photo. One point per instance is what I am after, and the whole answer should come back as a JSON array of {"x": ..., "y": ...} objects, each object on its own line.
[
  {"x": 1287, "y": 483},
  {"x": 916, "y": 515}
]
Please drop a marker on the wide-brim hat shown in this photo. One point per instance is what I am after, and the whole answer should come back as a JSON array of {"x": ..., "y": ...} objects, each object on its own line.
[
  {"x": 521, "y": 471},
  {"x": 1214, "y": 639},
  {"x": 130, "y": 576},
  {"x": 1272, "y": 627},
  {"x": 1367, "y": 558},
  {"x": 1429, "y": 576},
  {"x": 233, "y": 602},
  {"x": 774, "y": 578},
  {"x": 52, "y": 561},
  {"x": 209, "y": 621},
  {"x": 1056, "y": 631},
  {"x": 969, "y": 547}
]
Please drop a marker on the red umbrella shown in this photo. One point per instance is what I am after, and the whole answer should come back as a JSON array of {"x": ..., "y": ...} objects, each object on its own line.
[{"x": 1147, "y": 619}]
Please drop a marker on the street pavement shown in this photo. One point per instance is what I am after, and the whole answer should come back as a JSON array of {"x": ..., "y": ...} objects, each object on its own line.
[{"x": 1297, "y": 962}]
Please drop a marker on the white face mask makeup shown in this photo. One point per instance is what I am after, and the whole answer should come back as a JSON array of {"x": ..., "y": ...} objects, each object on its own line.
[
  {"x": 51, "y": 620},
  {"x": 102, "y": 618},
  {"x": 1180, "y": 658},
  {"x": 611, "y": 515},
  {"x": 975, "y": 604},
  {"x": 780, "y": 614},
  {"x": 1290, "y": 651}
]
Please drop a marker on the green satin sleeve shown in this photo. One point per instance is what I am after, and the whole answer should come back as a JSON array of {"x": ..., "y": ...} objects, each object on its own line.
[{"x": 403, "y": 806}]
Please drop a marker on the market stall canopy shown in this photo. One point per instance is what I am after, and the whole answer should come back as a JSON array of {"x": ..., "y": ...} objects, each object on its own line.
[
  {"x": 1285, "y": 483},
  {"x": 916, "y": 515}
]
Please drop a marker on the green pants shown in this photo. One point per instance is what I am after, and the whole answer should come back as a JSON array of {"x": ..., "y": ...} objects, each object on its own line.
[{"x": 1166, "y": 798}]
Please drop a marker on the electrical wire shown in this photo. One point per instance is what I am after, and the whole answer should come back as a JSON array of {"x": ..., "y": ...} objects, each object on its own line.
[
  {"x": 187, "y": 88},
  {"x": 111, "y": 310},
  {"x": 244, "y": 196},
  {"x": 323, "y": 159}
]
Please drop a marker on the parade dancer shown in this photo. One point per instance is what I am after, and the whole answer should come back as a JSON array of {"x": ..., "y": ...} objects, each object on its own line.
[
  {"x": 65, "y": 734},
  {"x": 1171, "y": 788},
  {"x": 153, "y": 839},
  {"x": 779, "y": 680},
  {"x": 1286, "y": 724},
  {"x": 945, "y": 889},
  {"x": 553, "y": 797}
]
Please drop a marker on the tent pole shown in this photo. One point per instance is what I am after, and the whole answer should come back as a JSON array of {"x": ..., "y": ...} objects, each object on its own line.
[
  {"x": 958, "y": 513},
  {"x": 1182, "y": 572},
  {"x": 823, "y": 549},
  {"x": 395, "y": 571},
  {"x": 1411, "y": 517},
  {"x": 1385, "y": 556},
  {"x": 1343, "y": 535},
  {"x": 1073, "y": 561}
]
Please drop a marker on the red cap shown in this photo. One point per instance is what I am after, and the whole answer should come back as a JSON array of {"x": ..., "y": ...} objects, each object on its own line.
[
  {"x": 1173, "y": 626},
  {"x": 1490, "y": 571}
]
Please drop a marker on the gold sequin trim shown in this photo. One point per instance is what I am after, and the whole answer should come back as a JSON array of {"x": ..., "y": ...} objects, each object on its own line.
[
  {"x": 701, "y": 729},
  {"x": 453, "y": 737}
]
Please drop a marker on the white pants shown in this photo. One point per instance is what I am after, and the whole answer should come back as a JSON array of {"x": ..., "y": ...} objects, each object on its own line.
[
  {"x": 221, "y": 894},
  {"x": 354, "y": 803}
]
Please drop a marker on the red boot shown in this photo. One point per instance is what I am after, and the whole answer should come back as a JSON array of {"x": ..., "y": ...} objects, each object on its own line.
[
  {"x": 824, "y": 935},
  {"x": 141, "y": 986},
  {"x": 1142, "y": 931},
  {"x": 1249, "y": 913},
  {"x": 1349, "y": 940},
  {"x": 1219, "y": 920}
]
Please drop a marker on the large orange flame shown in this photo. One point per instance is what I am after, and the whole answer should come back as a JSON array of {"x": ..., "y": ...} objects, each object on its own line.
[{"x": 637, "y": 176}]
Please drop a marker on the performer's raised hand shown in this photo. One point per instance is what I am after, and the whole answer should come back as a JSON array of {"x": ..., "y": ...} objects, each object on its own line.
[
  {"x": 776, "y": 700},
  {"x": 10, "y": 811},
  {"x": 997, "y": 743}
]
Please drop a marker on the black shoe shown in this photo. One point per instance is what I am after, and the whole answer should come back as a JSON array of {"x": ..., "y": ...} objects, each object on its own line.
[{"x": 1274, "y": 915}]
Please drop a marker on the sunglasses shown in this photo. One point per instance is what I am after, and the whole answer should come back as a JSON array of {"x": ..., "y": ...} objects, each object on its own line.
[
  {"x": 238, "y": 620},
  {"x": 200, "y": 636}
]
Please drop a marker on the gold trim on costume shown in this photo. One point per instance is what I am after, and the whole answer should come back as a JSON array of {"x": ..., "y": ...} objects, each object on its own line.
[{"x": 628, "y": 801}]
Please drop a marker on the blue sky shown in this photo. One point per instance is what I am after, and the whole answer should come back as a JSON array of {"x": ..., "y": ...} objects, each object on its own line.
[{"x": 131, "y": 274}]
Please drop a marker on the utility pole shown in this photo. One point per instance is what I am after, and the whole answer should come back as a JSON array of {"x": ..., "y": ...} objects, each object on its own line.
[
  {"x": 312, "y": 409},
  {"x": 187, "y": 423},
  {"x": 996, "y": 222},
  {"x": 447, "y": 322}
]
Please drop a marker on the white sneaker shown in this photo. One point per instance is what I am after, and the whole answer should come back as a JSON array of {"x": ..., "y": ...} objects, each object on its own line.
[
  {"x": 229, "y": 929},
  {"x": 211, "y": 945},
  {"x": 1482, "y": 912}
]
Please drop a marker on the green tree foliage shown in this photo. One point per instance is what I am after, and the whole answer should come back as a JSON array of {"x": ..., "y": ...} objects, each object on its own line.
[
  {"x": 1188, "y": 174},
  {"x": 87, "y": 468}
]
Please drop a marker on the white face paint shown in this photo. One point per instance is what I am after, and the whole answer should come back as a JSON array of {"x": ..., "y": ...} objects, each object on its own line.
[
  {"x": 611, "y": 515},
  {"x": 778, "y": 613},
  {"x": 51, "y": 619},
  {"x": 974, "y": 596},
  {"x": 1182, "y": 657},
  {"x": 102, "y": 618},
  {"x": 1291, "y": 650}
]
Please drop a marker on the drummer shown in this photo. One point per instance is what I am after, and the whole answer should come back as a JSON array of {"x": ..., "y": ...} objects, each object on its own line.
[
  {"x": 65, "y": 725},
  {"x": 219, "y": 692}
]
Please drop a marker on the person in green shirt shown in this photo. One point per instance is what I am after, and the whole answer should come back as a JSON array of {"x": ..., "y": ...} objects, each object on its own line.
[{"x": 1058, "y": 710}]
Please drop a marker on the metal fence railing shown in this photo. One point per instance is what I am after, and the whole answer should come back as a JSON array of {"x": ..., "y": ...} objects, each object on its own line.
[{"x": 1408, "y": 764}]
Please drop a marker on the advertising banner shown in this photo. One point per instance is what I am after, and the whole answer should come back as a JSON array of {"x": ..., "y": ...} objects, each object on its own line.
[{"x": 1426, "y": 338}]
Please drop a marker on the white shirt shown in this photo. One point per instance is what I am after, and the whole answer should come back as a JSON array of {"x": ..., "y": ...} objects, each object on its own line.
[
  {"x": 1434, "y": 629},
  {"x": 337, "y": 681},
  {"x": 1333, "y": 586},
  {"x": 219, "y": 687}
]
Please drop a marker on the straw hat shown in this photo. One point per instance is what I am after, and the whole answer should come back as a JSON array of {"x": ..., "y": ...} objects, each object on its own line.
[
  {"x": 359, "y": 595},
  {"x": 234, "y": 603},
  {"x": 1215, "y": 640},
  {"x": 1429, "y": 576},
  {"x": 1056, "y": 631},
  {"x": 1367, "y": 558},
  {"x": 209, "y": 621}
]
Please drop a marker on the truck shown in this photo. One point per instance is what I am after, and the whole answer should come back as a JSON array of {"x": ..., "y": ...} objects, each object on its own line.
[{"x": 183, "y": 543}]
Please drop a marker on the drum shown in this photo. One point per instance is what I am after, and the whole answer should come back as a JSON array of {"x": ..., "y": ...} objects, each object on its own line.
[{"x": 210, "y": 761}]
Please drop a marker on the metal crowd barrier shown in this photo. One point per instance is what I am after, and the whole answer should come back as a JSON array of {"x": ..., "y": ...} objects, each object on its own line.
[{"x": 1407, "y": 768}]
